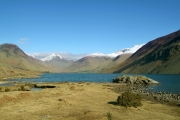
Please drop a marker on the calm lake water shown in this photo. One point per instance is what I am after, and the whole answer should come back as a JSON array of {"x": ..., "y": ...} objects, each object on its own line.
[{"x": 168, "y": 83}]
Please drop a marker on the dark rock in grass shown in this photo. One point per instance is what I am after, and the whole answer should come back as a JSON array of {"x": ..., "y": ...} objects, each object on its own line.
[{"x": 44, "y": 86}]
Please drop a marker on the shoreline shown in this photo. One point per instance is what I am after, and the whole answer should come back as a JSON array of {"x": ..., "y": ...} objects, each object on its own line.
[
  {"x": 3, "y": 82},
  {"x": 159, "y": 97}
]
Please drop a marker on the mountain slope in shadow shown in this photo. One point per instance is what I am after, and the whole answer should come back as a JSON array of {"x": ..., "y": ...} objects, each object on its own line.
[{"x": 160, "y": 56}]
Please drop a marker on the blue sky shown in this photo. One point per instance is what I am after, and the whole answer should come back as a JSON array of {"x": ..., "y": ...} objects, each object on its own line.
[{"x": 85, "y": 26}]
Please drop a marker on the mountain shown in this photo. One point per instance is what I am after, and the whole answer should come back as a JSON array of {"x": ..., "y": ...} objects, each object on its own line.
[
  {"x": 56, "y": 62},
  {"x": 89, "y": 64},
  {"x": 12, "y": 57},
  {"x": 99, "y": 62},
  {"x": 95, "y": 64},
  {"x": 117, "y": 53},
  {"x": 159, "y": 56},
  {"x": 52, "y": 56}
]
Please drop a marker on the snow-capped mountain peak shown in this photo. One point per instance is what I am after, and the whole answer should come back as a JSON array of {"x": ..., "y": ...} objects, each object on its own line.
[
  {"x": 52, "y": 56},
  {"x": 115, "y": 54},
  {"x": 96, "y": 54},
  {"x": 30, "y": 55}
]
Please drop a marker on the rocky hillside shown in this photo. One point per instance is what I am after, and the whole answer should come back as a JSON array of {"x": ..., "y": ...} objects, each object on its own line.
[{"x": 160, "y": 56}]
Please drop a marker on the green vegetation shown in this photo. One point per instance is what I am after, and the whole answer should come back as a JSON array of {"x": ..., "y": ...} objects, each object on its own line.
[
  {"x": 109, "y": 116},
  {"x": 129, "y": 99}
]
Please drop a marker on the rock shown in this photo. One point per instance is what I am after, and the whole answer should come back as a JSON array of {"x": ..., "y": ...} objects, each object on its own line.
[
  {"x": 44, "y": 86},
  {"x": 142, "y": 80}
]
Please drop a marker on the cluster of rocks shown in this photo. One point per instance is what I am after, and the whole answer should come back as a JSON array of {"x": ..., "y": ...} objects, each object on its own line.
[
  {"x": 162, "y": 97},
  {"x": 24, "y": 87},
  {"x": 136, "y": 84},
  {"x": 135, "y": 80}
]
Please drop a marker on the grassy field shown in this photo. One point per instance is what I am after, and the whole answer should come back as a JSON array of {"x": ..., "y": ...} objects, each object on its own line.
[{"x": 78, "y": 101}]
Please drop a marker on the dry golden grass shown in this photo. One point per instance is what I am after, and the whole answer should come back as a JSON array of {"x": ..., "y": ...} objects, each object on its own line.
[
  {"x": 8, "y": 73},
  {"x": 77, "y": 101}
]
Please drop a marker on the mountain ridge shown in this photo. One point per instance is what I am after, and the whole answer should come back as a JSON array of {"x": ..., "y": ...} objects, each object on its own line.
[
  {"x": 159, "y": 56},
  {"x": 13, "y": 56},
  {"x": 53, "y": 56},
  {"x": 117, "y": 53},
  {"x": 56, "y": 62},
  {"x": 15, "y": 63}
]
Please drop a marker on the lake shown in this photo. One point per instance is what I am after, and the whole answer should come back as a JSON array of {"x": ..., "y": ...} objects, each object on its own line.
[{"x": 168, "y": 83}]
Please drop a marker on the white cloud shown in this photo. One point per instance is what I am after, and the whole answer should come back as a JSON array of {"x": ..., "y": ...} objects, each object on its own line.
[
  {"x": 64, "y": 54},
  {"x": 23, "y": 40}
]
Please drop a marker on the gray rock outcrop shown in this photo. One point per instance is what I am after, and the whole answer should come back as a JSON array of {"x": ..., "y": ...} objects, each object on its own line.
[{"x": 136, "y": 80}]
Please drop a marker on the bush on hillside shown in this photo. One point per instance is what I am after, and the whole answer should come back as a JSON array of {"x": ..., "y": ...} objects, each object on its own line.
[{"x": 129, "y": 99}]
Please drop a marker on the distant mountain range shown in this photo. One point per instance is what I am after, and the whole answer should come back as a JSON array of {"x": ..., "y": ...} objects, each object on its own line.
[
  {"x": 159, "y": 56},
  {"x": 56, "y": 62},
  {"x": 117, "y": 53},
  {"x": 95, "y": 62}
]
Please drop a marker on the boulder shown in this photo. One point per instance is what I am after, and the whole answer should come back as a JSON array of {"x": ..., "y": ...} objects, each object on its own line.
[
  {"x": 137, "y": 80},
  {"x": 44, "y": 86}
]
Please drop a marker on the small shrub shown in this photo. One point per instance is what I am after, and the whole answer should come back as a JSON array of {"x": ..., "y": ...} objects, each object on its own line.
[
  {"x": 109, "y": 116},
  {"x": 7, "y": 89},
  {"x": 22, "y": 87},
  {"x": 129, "y": 99}
]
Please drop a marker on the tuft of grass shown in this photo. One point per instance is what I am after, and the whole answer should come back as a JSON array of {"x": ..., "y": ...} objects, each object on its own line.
[
  {"x": 72, "y": 88},
  {"x": 22, "y": 87},
  {"x": 109, "y": 115},
  {"x": 129, "y": 99}
]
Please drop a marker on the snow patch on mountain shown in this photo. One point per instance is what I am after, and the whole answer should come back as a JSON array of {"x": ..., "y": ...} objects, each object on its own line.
[
  {"x": 30, "y": 55},
  {"x": 52, "y": 56},
  {"x": 120, "y": 52}
]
